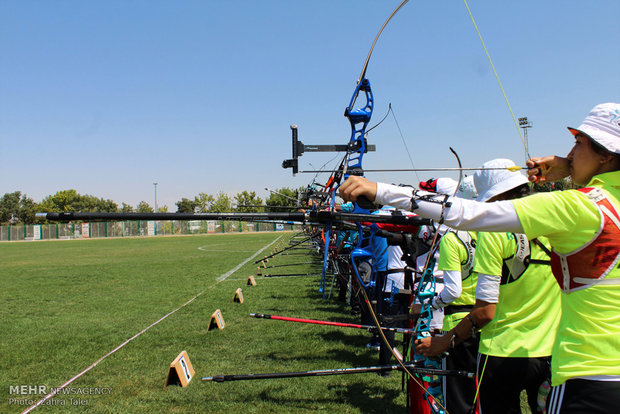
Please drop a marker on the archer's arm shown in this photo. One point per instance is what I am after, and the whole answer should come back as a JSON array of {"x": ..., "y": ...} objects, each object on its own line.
[{"x": 452, "y": 211}]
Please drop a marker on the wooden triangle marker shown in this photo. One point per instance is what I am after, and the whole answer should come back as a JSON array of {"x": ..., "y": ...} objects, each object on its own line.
[
  {"x": 216, "y": 320},
  {"x": 238, "y": 298},
  {"x": 180, "y": 371},
  {"x": 251, "y": 281}
]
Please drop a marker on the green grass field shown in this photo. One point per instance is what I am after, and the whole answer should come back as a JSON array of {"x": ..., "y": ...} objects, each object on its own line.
[{"x": 66, "y": 304}]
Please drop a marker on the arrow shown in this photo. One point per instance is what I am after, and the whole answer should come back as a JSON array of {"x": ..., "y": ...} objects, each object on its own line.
[
  {"x": 513, "y": 168},
  {"x": 317, "y": 322}
]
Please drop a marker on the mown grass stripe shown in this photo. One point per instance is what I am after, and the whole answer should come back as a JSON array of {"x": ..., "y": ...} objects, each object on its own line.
[{"x": 94, "y": 364}]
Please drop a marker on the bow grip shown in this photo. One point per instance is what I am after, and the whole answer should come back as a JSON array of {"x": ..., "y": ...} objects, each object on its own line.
[{"x": 365, "y": 203}]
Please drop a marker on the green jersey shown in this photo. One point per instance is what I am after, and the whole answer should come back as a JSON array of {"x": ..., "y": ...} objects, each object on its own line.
[
  {"x": 456, "y": 253},
  {"x": 588, "y": 338},
  {"x": 528, "y": 308}
]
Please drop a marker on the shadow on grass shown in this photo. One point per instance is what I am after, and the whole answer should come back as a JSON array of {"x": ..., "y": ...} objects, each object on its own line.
[
  {"x": 346, "y": 357},
  {"x": 357, "y": 394},
  {"x": 369, "y": 401},
  {"x": 353, "y": 337}
]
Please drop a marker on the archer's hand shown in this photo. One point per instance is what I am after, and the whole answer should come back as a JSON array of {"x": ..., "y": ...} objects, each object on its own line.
[
  {"x": 416, "y": 308},
  {"x": 552, "y": 168},
  {"x": 432, "y": 346},
  {"x": 355, "y": 187}
]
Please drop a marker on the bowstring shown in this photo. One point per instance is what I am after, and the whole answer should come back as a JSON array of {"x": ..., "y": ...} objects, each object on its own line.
[
  {"x": 499, "y": 82},
  {"x": 402, "y": 137}
]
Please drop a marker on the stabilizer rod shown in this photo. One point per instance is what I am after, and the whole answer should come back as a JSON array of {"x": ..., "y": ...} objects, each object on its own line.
[
  {"x": 296, "y": 216},
  {"x": 411, "y": 366}
]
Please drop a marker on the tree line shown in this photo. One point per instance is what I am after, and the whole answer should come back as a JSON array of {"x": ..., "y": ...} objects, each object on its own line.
[{"x": 18, "y": 208}]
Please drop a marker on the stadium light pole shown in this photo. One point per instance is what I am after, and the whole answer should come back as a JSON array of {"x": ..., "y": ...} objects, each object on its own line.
[
  {"x": 525, "y": 124},
  {"x": 155, "y": 185}
]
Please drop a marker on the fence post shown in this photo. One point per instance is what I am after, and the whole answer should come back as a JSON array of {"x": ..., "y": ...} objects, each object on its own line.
[{"x": 9, "y": 232}]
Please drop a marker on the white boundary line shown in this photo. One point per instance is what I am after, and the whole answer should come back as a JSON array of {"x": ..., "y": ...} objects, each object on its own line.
[{"x": 94, "y": 364}]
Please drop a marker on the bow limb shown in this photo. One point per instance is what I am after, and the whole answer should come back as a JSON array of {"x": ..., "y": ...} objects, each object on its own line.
[
  {"x": 458, "y": 160},
  {"x": 363, "y": 74}
]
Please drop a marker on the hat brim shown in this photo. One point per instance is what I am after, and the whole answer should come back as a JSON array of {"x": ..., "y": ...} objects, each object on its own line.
[
  {"x": 606, "y": 140},
  {"x": 503, "y": 186},
  {"x": 576, "y": 131}
]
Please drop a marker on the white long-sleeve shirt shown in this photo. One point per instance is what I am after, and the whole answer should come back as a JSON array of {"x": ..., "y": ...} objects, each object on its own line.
[{"x": 462, "y": 214}]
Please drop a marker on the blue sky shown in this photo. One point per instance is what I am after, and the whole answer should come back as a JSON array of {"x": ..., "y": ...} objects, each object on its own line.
[{"x": 107, "y": 97}]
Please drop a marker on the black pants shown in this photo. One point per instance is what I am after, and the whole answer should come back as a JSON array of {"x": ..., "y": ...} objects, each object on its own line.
[
  {"x": 503, "y": 380},
  {"x": 577, "y": 396},
  {"x": 399, "y": 306},
  {"x": 344, "y": 272},
  {"x": 460, "y": 392}
]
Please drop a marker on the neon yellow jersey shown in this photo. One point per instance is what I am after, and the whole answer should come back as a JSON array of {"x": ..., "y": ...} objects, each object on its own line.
[
  {"x": 453, "y": 255},
  {"x": 588, "y": 339},
  {"x": 528, "y": 309}
]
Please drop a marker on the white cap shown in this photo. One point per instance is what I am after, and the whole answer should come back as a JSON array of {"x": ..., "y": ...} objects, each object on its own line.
[
  {"x": 490, "y": 183},
  {"x": 468, "y": 189},
  {"x": 602, "y": 125},
  {"x": 446, "y": 185}
]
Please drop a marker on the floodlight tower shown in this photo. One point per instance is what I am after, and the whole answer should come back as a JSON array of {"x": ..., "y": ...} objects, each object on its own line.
[
  {"x": 525, "y": 124},
  {"x": 155, "y": 185}
]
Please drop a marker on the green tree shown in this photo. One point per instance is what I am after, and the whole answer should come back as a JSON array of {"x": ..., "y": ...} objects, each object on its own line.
[
  {"x": 64, "y": 200},
  {"x": 162, "y": 209},
  {"x": 222, "y": 203},
  {"x": 27, "y": 210},
  {"x": 92, "y": 203},
  {"x": 203, "y": 202},
  {"x": 247, "y": 200},
  {"x": 72, "y": 201},
  {"x": 285, "y": 197},
  {"x": 126, "y": 208},
  {"x": 16, "y": 208},
  {"x": 186, "y": 205},
  {"x": 9, "y": 206},
  {"x": 144, "y": 207}
]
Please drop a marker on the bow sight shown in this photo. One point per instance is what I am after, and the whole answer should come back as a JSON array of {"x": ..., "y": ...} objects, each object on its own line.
[{"x": 299, "y": 148}]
